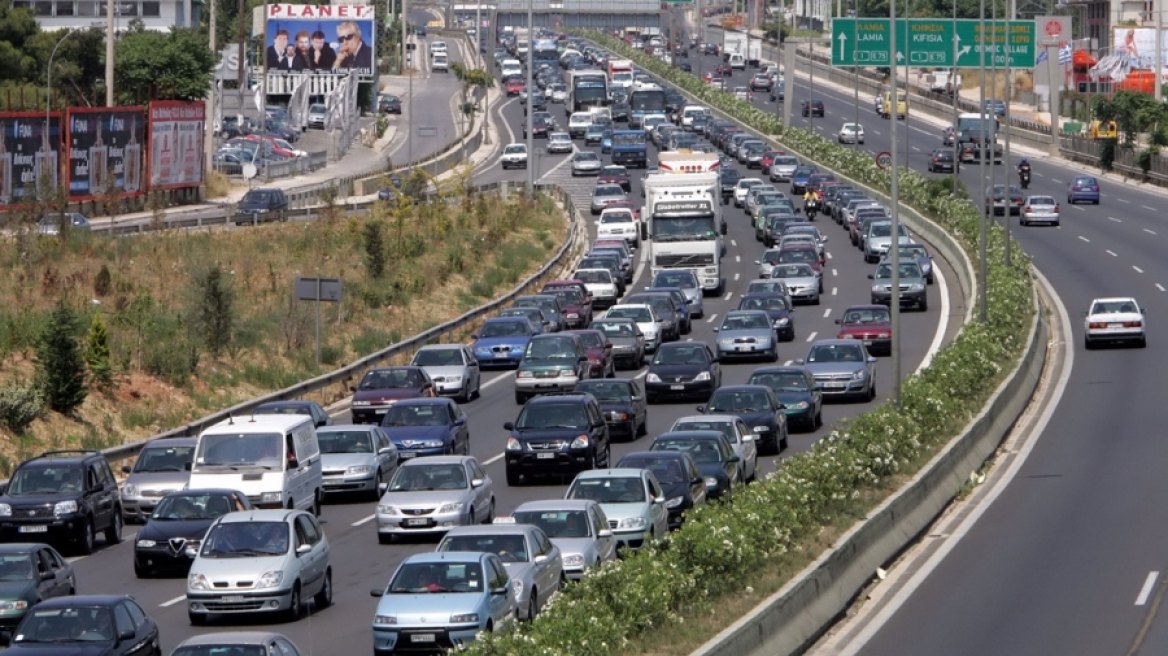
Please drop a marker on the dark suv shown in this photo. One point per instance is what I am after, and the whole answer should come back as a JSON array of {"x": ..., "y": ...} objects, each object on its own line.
[
  {"x": 557, "y": 434},
  {"x": 66, "y": 496},
  {"x": 260, "y": 205}
]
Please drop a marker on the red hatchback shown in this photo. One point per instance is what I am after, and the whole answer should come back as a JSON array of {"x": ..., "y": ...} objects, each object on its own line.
[
  {"x": 802, "y": 254},
  {"x": 575, "y": 301},
  {"x": 870, "y": 323},
  {"x": 768, "y": 158},
  {"x": 600, "y": 361},
  {"x": 515, "y": 87}
]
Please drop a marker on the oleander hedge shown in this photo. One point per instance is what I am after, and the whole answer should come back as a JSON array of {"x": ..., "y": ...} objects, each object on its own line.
[{"x": 722, "y": 547}]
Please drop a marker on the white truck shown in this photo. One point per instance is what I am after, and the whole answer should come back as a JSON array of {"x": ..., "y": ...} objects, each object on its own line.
[
  {"x": 684, "y": 215},
  {"x": 734, "y": 42},
  {"x": 753, "y": 52}
]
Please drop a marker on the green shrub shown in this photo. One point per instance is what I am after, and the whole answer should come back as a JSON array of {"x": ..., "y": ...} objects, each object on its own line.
[
  {"x": 19, "y": 406},
  {"x": 370, "y": 340},
  {"x": 60, "y": 362}
]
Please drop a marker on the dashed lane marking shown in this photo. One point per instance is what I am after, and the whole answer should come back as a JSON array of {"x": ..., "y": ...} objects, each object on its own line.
[
  {"x": 1111, "y": 253},
  {"x": 364, "y": 520},
  {"x": 1150, "y": 232},
  {"x": 168, "y": 604},
  {"x": 826, "y": 313},
  {"x": 1084, "y": 238},
  {"x": 834, "y": 290},
  {"x": 811, "y": 337}
]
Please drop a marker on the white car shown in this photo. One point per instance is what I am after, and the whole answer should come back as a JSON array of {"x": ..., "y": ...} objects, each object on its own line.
[
  {"x": 1114, "y": 320},
  {"x": 559, "y": 93},
  {"x": 600, "y": 284},
  {"x": 1040, "y": 209},
  {"x": 438, "y": 48},
  {"x": 514, "y": 156},
  {"x": 619, "y": 222},
  {"x": 851, "y": 133},
  {"x": 578, "y": 124},
  {"x": 742, "y": 93},
  {"x": 742, "y": 188},
  {"x": 559, "y": 142},
  {"x": 645, "y": 318},
  {"x": 440, "y": 63}
]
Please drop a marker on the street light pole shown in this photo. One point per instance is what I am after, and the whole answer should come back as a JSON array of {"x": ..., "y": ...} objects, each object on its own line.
[
  {"x": 49, "y": 77},
  {"x": 894, "y": 247},
  {"x": 1159, "y": 67},
  {"x": 956, "y": 92},
  {"x": 1006, "y": 100},
  {"x": 109, "y": 53},
  {"x": 987, "y": 204},
  {"x": 530, "y": 93}
]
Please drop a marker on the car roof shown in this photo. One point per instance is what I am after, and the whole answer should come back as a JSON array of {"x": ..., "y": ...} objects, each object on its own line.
[
  {"x": 750, "y": 312},
  {"x": 61, "y": 457},
  {"x": 757, "y": 388},
  {"x": 555, "y": 504},
  {"x": 543, "y": 399},
  {"x": 785, "y": 368},
  {"x": 445, "y": 556},
  {"x": 831, "y": 342},
  {"x": 259, "y": 515},
  {"x": 657, "y": 455},
  {"x": 170, "y": 442},
  {"x": 82, "y": 600},
  {"x": 436, "y": 460},
  {"x": 435, "y": 400},
  {"x": 609, "y": 473},
  {"x": 1113, "y": 299},
  {"x": 491, "y": 529},
  {"x": 231, "y": 638},
  {"x": 441, "y": 347},
  {"x": 20, "y": 547},
  {"x": 691, "y": 434},
  {"x": 721, "y": 416}
]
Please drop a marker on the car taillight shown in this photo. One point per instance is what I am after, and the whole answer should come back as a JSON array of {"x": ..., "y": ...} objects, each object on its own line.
[
  {"x": 1133, "y": 324},
  {"x": 1056, "y": 209},
  {"x": 1027, "y": 209},
  {"x": 1097, "y": 324}
]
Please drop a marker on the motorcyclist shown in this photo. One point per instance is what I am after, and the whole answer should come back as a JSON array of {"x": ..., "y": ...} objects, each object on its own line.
[
  {"x": 809, "y": 196},
  {"x": 1024, "y": 172}
]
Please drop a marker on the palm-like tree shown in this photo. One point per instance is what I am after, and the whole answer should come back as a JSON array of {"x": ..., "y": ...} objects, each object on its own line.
[{"x": 472, "y": 78}]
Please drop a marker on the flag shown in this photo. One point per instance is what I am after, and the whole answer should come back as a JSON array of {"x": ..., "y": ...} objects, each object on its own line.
[
  {"x": 1041, "y": 58},
  {"x": 259, "y": 97},
  {"x": 1065, "y": 56}
]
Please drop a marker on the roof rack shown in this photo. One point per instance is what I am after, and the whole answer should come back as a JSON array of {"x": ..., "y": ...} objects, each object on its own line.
[{"x": 71, "y": 452}]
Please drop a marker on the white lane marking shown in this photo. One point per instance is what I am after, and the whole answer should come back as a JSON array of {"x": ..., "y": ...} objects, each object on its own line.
[
  {"x": 727, "y": 296},
  {"x": 1112, "y": 218},
  {"x": 942, "y": 325},
  {"x": 1079, "y": 207},
  {"x": 364, "y": 520},
  {"x": 876, "y": 131},
  {"x": 1111, "y": 253},
  {"x": 493, "y": 459},
  {"x": 1148, "y": 208},
  {"x": 1159, "y": 286},
  {"x": 712, "y": 317},
  {"x": 812, "y": 336},
  {"x": 737, "y": 276},
  {"x": 1150, "y": 232},
  {"x": 834, "y": 290},
  {"x": 1124, "y": 200},
  {"x": 638, "y": 376},
  {"x": 1138, "y": 270},
  {"x": 733, "y": 243},
  {"x": 826, "y": 313},
  {"x": 1056, "y": 180},
  {"x": 737, "y": 258},
  {"x": 828, "y": 255},
  {"x": 834, "y": 272},
  {"x": 168, "y": 604},
  {"x": 1146, "y": 591},
  {"x": 916, "y": 149},
  {"x": 1084, "y": 238}
]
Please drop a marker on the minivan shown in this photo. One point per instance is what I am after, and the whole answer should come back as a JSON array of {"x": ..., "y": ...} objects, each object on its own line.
[
  {"x": 440, "y": 63},
  {"x": 737, "y": 61},
  {"x": 273, "y": 459},
  {"x": 511, "y": 67}
]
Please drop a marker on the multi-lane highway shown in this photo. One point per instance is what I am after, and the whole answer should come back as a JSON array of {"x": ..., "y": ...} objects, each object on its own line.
[
  {"x": 360, "y": 563},
  {"x": 1071, "y": 557}
]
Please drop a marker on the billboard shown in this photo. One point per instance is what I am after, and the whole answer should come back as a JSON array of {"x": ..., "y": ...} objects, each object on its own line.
[
  {"x": 1138, "y": 45},
  {"x": 176, "y": 143},
  {"x": 28, "y": 153},
  {"x": 320, "y": 38},
  {"x": 105, "y": 142}
]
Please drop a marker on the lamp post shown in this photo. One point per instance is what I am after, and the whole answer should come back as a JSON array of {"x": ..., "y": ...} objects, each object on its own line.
[
  {"x": 982, "y": 300},
  {"x": 894, "y": 247},
  {"x": 530, "y": 93},
  {"x": 49, "y": 76}
]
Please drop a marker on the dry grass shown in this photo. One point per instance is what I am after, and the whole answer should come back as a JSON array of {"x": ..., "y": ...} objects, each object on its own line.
[
  {"x": 218, "y": 185},
  {"x": 440, "y": 261}
]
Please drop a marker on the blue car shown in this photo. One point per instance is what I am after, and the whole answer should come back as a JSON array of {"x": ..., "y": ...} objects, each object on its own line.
[
  {"x": 501, "y": 341},
  {"x": 442, "y": 600},
  {"x": 427, "y": 427},
  {"x": 606, "y": 142},
  {"x": 797, "y": 390},
  {"x": 800, "y": 177},
  {"x": 1083, "y": 187}
]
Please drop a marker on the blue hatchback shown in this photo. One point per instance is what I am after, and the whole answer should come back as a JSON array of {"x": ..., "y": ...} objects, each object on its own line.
[
  {"x": 1083, "y": 188},
  {"x": 501, "y": 341}
]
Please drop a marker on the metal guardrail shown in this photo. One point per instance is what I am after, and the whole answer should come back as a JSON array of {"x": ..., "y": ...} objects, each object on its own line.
[{"x": 355, "y": 369}]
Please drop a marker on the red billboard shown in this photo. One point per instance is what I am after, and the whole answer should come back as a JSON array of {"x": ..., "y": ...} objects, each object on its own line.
[{"x": 176, "y": 143}]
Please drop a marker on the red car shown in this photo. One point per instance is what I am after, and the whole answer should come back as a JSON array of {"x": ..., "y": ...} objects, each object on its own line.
[
  {"x": 802, "y": 254},
  {"x": 515, "y": 87},
  {"x": 768, "y": 158},
  {"x": 870, "y": 323},
  {"x": 384, "y": 386},
  {"x": 577, "y": 304},
  {"x": 600, "y": 361},
  {"x": 618, "y": 175},
  {"x": 282, "y": 152},
  {"x": 725, "y": 70}
]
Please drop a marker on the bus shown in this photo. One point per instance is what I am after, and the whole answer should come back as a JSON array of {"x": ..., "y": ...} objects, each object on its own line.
[
  {"x": 546, "y": 52},
  {"x": 586, "y": 89},
  {"x": 648, "y": 99}
]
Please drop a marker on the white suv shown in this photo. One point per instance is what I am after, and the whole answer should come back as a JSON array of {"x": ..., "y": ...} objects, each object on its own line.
[
  {"x": 515, "y": 156},
  {"x": 438, "y": 48},
  {"x": 619, "y": 222}
]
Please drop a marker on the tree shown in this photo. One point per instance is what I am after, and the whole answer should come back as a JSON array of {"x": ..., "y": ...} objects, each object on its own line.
[
  {"x": 177, "y": 63},
  {"x": 215, "y": 313},
  {"x": 97, "y": 353},
  {"x": 472, "y": 79},
  {"x": 374, "y": 249},
  {"x": 60, "y": 365}
]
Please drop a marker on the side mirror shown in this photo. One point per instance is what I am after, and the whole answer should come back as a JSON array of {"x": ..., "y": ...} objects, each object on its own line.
[
  {"x": 48, "y": 576},
  {"x": 871, "y": 277},
  {"x": 839, "y": 322},
  {"x": 608, "y": 347},
  {"x": 126, "y": 635},
  {"x": 499, "y": 591},
  {"x": 352, "y": 388},
  {"x": 125, "y": 469},
  {"x": 303, "y": 549},
  {"x": 1143, "y": 311},
  {"x": 540, "y": 559},
  {"x": 1084, "y": 314},
  {"x": 757, "y": 262},
  {"x": 293, "y": 463},
  {"x": 658, "y": 500},
  {"x": 716, "y": 329},
  {"x": 385, "y": 450},
  {"x": 799, "y": 361},
  {"x": 749, "y": 437},
  {"x": 702, "y": 409},
  {"x": 376, "y": 593},
  {"x": 714, "y": 359},
  {"x": 871, "y": 360},
  {"x": 697, "y": 481},
  {"x": 604, "y": 534},
  {"x": 476, "y": 483},
  {"x": 817, "y": 388},
  {"x": 461, "y": 421},
  {"x": 734, "y": 459},
  {"x": 188, "y": 465},
  {"x": 781, "y": 406},
  {"x": 474, "y": 335},
  {"x": 824, "y": 240},
  {"x": 509, "y": 425}
]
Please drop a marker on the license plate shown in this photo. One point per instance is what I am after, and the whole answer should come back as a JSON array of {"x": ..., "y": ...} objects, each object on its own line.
[
  {"x": 417, "y": 522},
  {"x": 381, "y": 412},
  {"x": 500, "y": 355},
  {"x": 406, "y": 454},
  {"x": 677, "y": 387},
  {"x": 40, "y": 528},
  {"x": 422, "y": 637},
  {"x": 867, "y": 342},
  {"x": 1115, "y": 325},
  {"x": 746, "y": 349},
  {"x": 545, "y": 456},
  {"x": 834, "y": 385},
  {"x": 232, "y": 600}
]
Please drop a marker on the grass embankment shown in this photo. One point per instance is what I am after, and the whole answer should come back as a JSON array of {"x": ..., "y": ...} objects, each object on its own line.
[{"x": 404, "y": 270}]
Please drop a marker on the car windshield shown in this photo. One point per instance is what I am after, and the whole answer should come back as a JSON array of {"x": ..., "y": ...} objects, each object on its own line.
[
  {"x": 638, "y": 314},
  {"x": 191, "y": 507},
  {"x": 246, "y": 540},
  {"x": 427, "y": 478},
  {"x": 429, "y": 414},
  {"x": 681, "y": 355},
  {"x": 608, "y": 190},
  {"x": 553, "y": 415},
  {"x": 878, "y": 315},
  {"x": 556, "y": 523},
  {"x": 592, "y": 340},
  {"x": 318, "y": 109},
  {"x": 346, "y": 441},
  {"x": 611, "y": 392},
  {"x": 532, "y": 314},
  {"x": 768, "y": 303},
  {"x": 767, "y": 286},
  {"x": 444, "y": 357},
  {"x": 785, "y": 161},
  {"x": 771, "y": 257},
  {"x": 1113, "y": 307},
  {"x": 835, "y": 353},
  {"x": 668, "y": 472},
  {"x": 593, "y": 277},
  {"x": 282, "y": 409},
  {"x": 907, "y": 270},
  {"x": 515, "y": 149},
  {"x": 221, "y": 650},
  {"x": 240, "y": 449},
  {"x": 730, "y": 401},
  {"x": 66, "y": 625},
  {"x": 169, "y": 459},
  {"x": 682, "y": 279},
  {"x": 782, "y": 381},
  {"x": 17, "y": 567},
  {"x": 504, "y": 329},
  {"x": 391, "y": 379},
  {"x": 1041, "y": 200},
  {"x": 746, "y": 322},
  {"x": 724, "y": 427},
  {"x": 47, "y": 480},
  {"x": 585, "y": 157},
  {"x": 550, "y": 349},
  {"x": 509, "y": 548},
  {"x": 701, "y": 450},
  {"x": 256, "y": 197},
  {"x": 617, "y": 217},
  {"x": 885, "y": 230},
  {"x": 435, "y": 578},
  {"x": 614, "y": 489},
  {"x": 614, "y": 170},
  {"x": 798, "y": 255}
]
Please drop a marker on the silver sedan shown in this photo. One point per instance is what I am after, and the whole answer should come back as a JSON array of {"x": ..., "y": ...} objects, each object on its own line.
[
  {"x": 801, "y": 279},
  {"x": 578, "y": 527},
  {"x": 586, "y": 163},
  {"x": 1040, "y": 209},
  {"x": 534, "y": 563},
  {"x": 604, "y": 194}
]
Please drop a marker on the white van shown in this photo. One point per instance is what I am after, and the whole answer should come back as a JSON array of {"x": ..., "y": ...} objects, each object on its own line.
[
  {"x": 438, "y": 48},
  {"x": 510, "y": 67},
  {"x": 273, "y": 459},
  {"x": 737, "y": 61},
  {"x": 579, "y": 123},
  {"x": 600, "y": 114},
  {"x": 689, "y": 112},
  {"x": 440, "y": 63}
]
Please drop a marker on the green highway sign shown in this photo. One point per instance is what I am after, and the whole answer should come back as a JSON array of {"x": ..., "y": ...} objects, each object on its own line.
[{"x": 931, "y": 42}]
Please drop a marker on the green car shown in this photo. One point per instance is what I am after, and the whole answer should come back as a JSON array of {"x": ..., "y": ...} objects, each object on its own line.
[
  {"x": 551, "y": 363},
  {"x": 30, "y": 573}
]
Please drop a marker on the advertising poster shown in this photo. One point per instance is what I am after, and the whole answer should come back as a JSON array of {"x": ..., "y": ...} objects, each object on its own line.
[
  {"x": 28, "y": 154},
  {"x": 176, "y": 143},
  {"x": 1138, "y": 45},
  {"x": 105, "y": 146},
  {"x": 321, "y": 39}
]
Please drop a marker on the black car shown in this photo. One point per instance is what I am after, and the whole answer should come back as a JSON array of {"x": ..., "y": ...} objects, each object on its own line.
[
  {"x": 812, "y": 108},
  {"x": 730, "y": 178},
  {"x": 758, "y": 406},
  {"x": 262, "y": 204},
  {"x": 558, "y": 434},
  {"x": 685, "y": 66},
  {"x": 391, "y": 193},
  {"x": 620, "y": 112},
  {"x": 683, "y": 370},
  {"x": 778, "y": 307},
  {"x": 389, "y": 105},
  {"x": 171, "y": 537},
  {"x": 310, "y": 408},
  {"x": 94, "y": 625},
  {"x": 623, "y": 404},
  {"x": 713, "y": 453},
  {"x": 63, "y": 496},
  {"x": 30, "y": 573},
  {"x": 679, "y": 475},
  {"x": 797, "y": 390},
  {"x": 942, "y": 161}
]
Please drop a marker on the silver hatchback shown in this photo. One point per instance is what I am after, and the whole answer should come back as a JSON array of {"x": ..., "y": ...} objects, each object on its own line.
[
  {"x": 162, "y": 467},
  {"x": 586, "y": 162},
  {"x": 433, "y": 495},
  {"x": 533, "y": 562},
  {"x": 604, "y": 194}
]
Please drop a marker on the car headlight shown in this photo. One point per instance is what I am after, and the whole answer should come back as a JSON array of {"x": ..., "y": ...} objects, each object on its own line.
[
  {"x": 916, "y": 287},
  {"x": 146, "y": 543},
  {"x": 674, "y": 502},
  {"x": 877, "y": 288},
  {"x": 573, "y": 560},
  {"x": 385, "y": 620},
  {"x": 361, "y": 404},
  {"x": 726, "y": 342},
  {"x": 482, "y": 349},
  {"x": 860, "y": 373},
  {"x": 517, "y": 587},
  {"x": 632, "y": 522},
  {"x": 384, "y": 509},
  {"x": 710, "y": 270},
  {"x": 711, "y": 482},
  {"x": 197, "y": 582},
  {"x": 450, "y": 507},
  {"x": 782, "y": 321},
  {"x": 465, "y": 618},
  {"x": 270, "y": 579},
  {"x": 130, "y": 490},
  {"x": 514, "y": 444},
  {"x": 764, "y": 342},
  {"x": 13, "y": 604},
  {"x": 359, "y": 469},
  {"x": 883, "y": 335},
  {"x": 800, "y": 405},
  {"x": 272, "y": 497},
  {"x": 705, "y": 375},
  {"x": 568, "y": 373},
  {"x": 5, "y": 510},
  {"x": 581, "y": 442},
  {"x": 525, "y": 374},
  {"x": 65, "y": 507},
  {"x": 652, "y": 378}
]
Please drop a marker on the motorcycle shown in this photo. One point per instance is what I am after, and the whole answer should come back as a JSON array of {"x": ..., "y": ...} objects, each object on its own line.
[
  {"x": 811, "y": 207},
  {"x": 1024, "y": 175}
]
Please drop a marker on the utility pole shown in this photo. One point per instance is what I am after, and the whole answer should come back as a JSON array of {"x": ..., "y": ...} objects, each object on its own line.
[
  {"x": 242, "y": 59},
  {"x": 109, "y": 53},
  {"x": 987, "y": 203},
  {"x": 209, "y": 131},
  {"x": 1159, "y": 68},
  {"x": 530, "y": 91},
  {"x": 894, "y": 247}
]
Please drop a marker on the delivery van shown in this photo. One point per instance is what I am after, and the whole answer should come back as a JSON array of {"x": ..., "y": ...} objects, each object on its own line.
[
  {"x": 885, "y": 109},
  {"x": 273, "y": 459}
]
